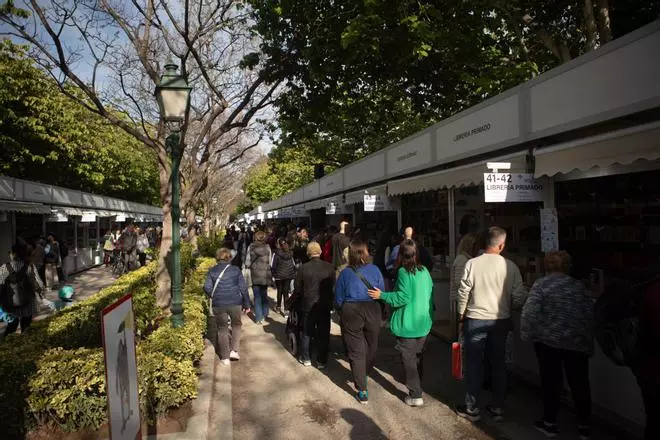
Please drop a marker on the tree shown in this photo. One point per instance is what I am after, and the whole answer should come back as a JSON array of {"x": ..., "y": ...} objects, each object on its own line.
[
  {"x": 362, "y": 75},
  {"x": 284, "y": 171},
  {"x": 47, "y": 138},
  {"x": 107, "y": 55}
]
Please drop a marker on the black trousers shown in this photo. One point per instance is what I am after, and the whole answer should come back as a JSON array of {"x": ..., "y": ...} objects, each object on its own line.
[
  {"x": 411, "y": 355},
  {"x": 552, "y": 364},
  {"x": 283, "y": 291},
  {"x": 360, "y": 330},
  {"x": 13, "y": 326},
  {"x": 651, "y": 396},
  {"x": 143, "y": 258},
  {"x": 316, "y": 325}
]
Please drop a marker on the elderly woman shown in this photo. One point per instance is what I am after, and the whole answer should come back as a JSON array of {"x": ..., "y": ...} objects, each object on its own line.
[
  {"x": 559, "y": 319},
  {"x": 226, "y": 287},
  {"x": 259, "y": 262}
]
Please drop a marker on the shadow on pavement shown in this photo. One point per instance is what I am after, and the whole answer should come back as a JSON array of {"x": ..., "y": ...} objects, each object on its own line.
[{"x": 362, "y": 426}]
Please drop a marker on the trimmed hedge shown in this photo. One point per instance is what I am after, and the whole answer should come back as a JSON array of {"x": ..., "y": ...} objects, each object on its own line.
[
  {"x": 42, "y": 383},
  {"x": 207, "y": 246}
]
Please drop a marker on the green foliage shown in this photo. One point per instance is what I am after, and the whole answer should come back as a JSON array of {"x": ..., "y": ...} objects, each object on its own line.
[
  {"x": 209, "y": 245},
  {"x": 54, "y": 373},
  {"x": 363, "y": 75},
  {"x": 286, "y": 170},
  {"x": 46, "y": 137}
]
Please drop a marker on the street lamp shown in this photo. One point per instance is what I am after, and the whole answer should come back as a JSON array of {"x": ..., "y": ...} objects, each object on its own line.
[{"x": 173, "y": 95}]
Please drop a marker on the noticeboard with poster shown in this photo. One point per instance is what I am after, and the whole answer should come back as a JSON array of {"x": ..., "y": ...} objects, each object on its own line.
[{"x": 118, "y": 330}]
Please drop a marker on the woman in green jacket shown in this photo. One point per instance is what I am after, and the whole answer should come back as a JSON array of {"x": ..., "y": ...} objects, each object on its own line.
[{"x": 412, "y": 314}]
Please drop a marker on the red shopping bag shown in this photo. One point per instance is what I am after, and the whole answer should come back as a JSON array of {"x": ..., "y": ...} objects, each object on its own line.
[{"x": 456, "y": 361}]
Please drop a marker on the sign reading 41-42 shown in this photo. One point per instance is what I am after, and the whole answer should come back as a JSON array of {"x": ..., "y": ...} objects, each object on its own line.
[{"x": 512, "y": 187}]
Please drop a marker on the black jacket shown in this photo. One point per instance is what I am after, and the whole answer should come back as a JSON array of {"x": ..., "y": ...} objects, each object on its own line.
[
  {"x": 339, "y": 243},
  {"x": 314, "y": 284},
  {"x": 283, "y": 266}
]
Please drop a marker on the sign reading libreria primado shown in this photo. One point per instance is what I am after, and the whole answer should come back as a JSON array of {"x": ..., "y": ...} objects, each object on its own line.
[{"x": 512, "y": 187}]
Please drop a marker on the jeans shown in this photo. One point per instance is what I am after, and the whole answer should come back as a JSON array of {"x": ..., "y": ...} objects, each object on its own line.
[
  {"x": 316, "y": 323},
  {"x": 283, "y": 290},
  {"x": 360, "y": 329},
  {"x": 485, "y": 337},
  {"x": 411, "y": 356},
  {"x": 222, "y": 315},
  {"x": 552, "y": 364},
  {"x": 261, "y": 306}
]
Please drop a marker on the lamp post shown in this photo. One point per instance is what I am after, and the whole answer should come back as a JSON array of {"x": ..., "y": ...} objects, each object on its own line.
[{"x": 173, "y": 95}]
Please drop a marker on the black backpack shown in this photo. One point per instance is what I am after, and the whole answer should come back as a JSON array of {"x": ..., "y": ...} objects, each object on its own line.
[
  {"x": 17, "y": 290},
  {"x": 617, "y": 317}
]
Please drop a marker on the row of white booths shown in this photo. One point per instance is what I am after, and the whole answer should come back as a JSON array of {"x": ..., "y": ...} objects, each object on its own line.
[
  {"x": 588, "y": 135},
  {"x": 78, "y": 219}
]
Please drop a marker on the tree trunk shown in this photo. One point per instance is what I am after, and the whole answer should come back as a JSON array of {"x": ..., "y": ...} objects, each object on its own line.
[
  {"x": 191, "y": 216},
  {"x": 589, "y": 25},
  {"x": 604, "y": 27},
  {"x": 163, "y": 281}
]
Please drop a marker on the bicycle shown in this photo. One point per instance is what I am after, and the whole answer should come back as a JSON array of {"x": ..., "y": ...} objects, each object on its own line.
[{"x": 119, "y": 263}]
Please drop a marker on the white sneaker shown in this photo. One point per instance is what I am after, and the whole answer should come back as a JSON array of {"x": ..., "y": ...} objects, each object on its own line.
[
  {"x": 225, "y": 362},
  {"x": 414, "y": 401},
  {"x": 234, "y": 356}
]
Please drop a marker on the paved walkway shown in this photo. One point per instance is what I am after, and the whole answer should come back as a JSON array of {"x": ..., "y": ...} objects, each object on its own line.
[
  {"x": 274, "y": 397},
  {"x": 86, "y": 284}
]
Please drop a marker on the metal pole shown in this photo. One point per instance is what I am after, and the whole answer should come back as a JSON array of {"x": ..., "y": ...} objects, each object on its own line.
[{"x": 175, "y": 269}]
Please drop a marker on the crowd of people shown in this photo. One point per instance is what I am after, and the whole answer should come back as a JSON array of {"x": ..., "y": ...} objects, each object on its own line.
[
  {"x": 129, "y": 246},
  {"x": 334, "y": 271}
]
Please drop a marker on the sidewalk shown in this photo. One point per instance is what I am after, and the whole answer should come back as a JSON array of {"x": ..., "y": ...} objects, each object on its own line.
[
  {"x": 86, "y": 284},
  {"x": 274, "y": 397}
]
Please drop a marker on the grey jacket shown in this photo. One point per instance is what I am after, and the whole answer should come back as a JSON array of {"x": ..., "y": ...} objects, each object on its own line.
[{"x": 259, "y": 255}]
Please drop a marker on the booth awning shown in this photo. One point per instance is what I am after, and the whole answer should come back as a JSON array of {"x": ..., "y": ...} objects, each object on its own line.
[
  {"x": 24, "y": 207},
  {"x": 621, "y": 147},
  {"x": 466, "y": 175},
  {"x": 321, "y": 203},
  {"x": 355, "y": 197}
]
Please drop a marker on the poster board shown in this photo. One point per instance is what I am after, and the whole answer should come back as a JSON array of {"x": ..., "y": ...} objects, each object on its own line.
[
  {"x": 549, "y": 230},
  {"x": 118, "y": 330}
]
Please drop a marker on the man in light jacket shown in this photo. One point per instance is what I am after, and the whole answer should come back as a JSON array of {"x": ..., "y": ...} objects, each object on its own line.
[{"x": 490, "y": 287}]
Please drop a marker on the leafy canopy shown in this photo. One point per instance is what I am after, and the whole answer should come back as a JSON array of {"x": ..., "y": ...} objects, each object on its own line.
[{"x": 46, "y": 137}]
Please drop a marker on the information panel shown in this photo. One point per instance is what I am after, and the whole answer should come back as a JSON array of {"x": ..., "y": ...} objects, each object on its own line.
[
  {"x": 512, "y": 187},
  {"x": 121, "y": 369}
]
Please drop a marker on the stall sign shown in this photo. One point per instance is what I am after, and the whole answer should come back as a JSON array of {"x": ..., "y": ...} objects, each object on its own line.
[
  {"x": 512, "y": 187},
  {"x": 120, "y": 218},
  {"x": 260, "y": 216},
  {"x": 377, "y": 202},
  {"x": 118, "y": 329},
  {"x": 88, "y": 217},
  {"x": 331, "y": 208},
  {"x": 57, "y": 217}
]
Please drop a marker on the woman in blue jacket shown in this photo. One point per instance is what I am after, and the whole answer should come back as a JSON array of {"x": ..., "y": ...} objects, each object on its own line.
[
  {"x": 226, "y": 287},
  {"x": 360, "y": 315}
]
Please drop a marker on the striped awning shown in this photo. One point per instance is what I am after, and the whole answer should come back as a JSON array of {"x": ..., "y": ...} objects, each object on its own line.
[{"x": 24, "y": 207}]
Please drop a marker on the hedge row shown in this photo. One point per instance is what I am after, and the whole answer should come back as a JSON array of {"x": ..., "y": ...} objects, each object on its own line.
[{"x": 55, "y": 373}]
